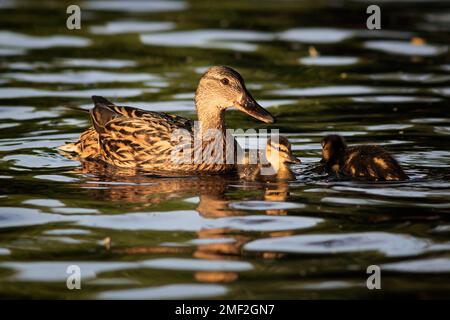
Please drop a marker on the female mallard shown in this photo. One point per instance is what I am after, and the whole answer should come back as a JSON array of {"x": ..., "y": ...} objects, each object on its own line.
[
  {"x": 133, "y": 138},
  {"x": 279, "y": 156},
  {"x": 365, "y": 161}
]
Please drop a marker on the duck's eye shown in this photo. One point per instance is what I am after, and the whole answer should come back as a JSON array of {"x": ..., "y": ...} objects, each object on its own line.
[{"x": 225, "y": 81}]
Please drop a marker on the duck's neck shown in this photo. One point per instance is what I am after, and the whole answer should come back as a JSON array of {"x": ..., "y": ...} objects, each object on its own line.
[
  {"x": 209, "y": 115},
  {"x": 213, "y": 118},
  {"x": 336, "y": 159},
  {"x": 285, "y": 173}
]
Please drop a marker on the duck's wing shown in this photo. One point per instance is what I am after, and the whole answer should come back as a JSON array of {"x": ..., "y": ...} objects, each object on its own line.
[
  {"x": 115, "y": 125},
  {"x": 105, "y": 111},
  {"x": 134, "y": 137},
  {"x": 372, "y": 161},
  {"x": 139, "y": 142}
]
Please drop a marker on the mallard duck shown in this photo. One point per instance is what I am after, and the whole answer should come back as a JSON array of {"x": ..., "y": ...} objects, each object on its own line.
[
  {"x": 364, "y": 161},
  {"x": 133, "y": 138},
  {"x": 279, "y": 156}
]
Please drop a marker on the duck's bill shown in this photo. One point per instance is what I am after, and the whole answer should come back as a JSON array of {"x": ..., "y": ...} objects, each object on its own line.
[
  {"x": 253, "y": 109},
  {"x": 293, "y": 159}
]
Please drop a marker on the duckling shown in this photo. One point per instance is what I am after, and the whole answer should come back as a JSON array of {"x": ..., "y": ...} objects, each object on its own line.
[
  {"x": 128, "y": 137},
  {"x": 279, "y": 156},
  {"x": 365, "y": 161}
]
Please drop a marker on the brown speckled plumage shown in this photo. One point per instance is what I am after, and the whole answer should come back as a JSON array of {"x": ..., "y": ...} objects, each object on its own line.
[
  {"x": 133, "y": 138},
  {"x": 365, "y": 161}
]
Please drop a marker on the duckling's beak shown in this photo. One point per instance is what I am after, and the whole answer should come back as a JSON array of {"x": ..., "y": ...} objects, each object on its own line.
[
  {"x": 249, "y": 105},
  {"x": 292, "y": 159}
]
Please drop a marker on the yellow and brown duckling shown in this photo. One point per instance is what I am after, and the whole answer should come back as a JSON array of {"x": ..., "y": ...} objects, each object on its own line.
[
  {"x": 279, "y": 156},
  {"x": 133, "y": 138},
  {"x": 364, "y": 161}
]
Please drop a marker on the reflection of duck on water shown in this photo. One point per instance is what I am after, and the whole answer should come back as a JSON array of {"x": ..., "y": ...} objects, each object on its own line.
[
  {"x": 141, "y": 191},
  {"x": 133, "y": 138},
  {"x": 277, "y": 192}
]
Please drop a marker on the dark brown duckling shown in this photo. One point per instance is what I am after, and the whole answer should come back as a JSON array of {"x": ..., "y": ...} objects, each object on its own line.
[{"x": 365, "y": 161}]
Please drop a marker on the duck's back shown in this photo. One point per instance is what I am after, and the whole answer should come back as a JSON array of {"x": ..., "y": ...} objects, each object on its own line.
[
  {"x": 133, "y": 138},
  {"x": 369, "y": 161},
  {"x": 126, "y": 120}
]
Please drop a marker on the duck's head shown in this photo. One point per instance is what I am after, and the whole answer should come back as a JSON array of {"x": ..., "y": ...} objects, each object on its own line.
[
  {"x": 221, "y": 88},
  {"x": 333, "y": 147},
  {"x": 278, "y": 152}
]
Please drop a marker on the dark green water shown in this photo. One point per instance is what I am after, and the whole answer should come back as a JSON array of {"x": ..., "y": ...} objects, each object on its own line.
[{"x": 220, "y": 237}]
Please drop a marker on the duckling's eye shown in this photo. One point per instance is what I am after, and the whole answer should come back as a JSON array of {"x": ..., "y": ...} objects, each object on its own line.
[{"x": 225, "y": 81}]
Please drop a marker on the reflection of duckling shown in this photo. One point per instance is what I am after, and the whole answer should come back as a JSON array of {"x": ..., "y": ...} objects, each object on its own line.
[
  {"x": 366, "y": 161},
  {"x": 279, "y": 192},
  {"x": 279, "y": 156}
]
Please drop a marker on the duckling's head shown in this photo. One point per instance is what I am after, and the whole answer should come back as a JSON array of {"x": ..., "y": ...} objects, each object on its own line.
[
  {"x": 333, "y": 148},
  {"x": 221, "y": 88},
  {"x": 279, "y": 153}
]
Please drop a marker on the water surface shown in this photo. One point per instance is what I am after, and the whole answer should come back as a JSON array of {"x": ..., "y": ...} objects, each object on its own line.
[{"x": 312, "y": 64}]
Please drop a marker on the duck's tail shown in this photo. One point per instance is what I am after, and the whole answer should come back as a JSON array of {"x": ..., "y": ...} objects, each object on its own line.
[
  {"x": 87, "y": 146},
  {"x": 70, "y": 147},
  {"x": 75, "y": 107}
]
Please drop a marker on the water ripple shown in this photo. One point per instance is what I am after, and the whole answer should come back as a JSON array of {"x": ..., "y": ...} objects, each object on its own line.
[
  {"x": 328, "y": 61},
  {"x": 175, "y": 291},
  {"x": 118, "y": 27},
  {"x": 316, "y": 35},
  {"x": 12, "y": 93},
  {"x": 134, "y": 5},
  {"x": 436, "y": 265},
  {"x": 192, "y": 221},
  {"x": 405, "y": 48},
  {"x": 213, "y": 38},
  {"x": 388, "y": 244},
  {"x": 18, "y": 40},
  {"x": 80, "y": 77}
]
